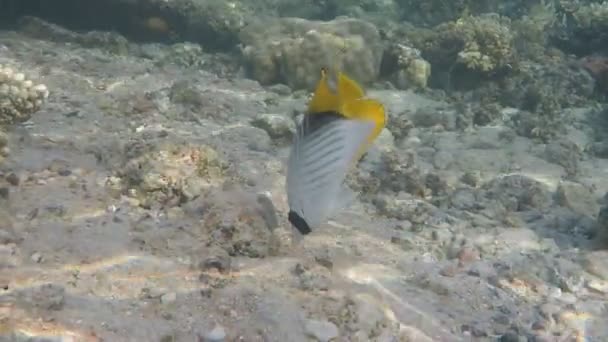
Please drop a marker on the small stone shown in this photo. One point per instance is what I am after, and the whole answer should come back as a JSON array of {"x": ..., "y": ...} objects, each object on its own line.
[
  {"x": 539, "y": 325},
  {"x": 323, "y": 331},
  {"x": 548, "y": 310},
  {"x": 449, "y": 271},
  {"x": 168, "y": 298},
  {"x": 219, "y": 260},
  {"x": 217, "y": 334},
  {"x": 600, "y": 286},
  {"x": 277, "y": 126},
  {"x": 467, "y": 255},
  {"x": 12, "y": 179},
  {"x": 36, "y": 257},
  {"x": 512, "y": 337}
]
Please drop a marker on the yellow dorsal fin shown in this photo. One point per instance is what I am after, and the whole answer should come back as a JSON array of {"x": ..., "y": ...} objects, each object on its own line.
[{"x": 324, "y": 99}]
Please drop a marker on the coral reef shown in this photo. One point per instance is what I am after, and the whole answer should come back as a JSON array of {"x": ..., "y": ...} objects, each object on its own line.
[
  {"x": 291, "y": 50},
  {"x": 19, "y": 96}
]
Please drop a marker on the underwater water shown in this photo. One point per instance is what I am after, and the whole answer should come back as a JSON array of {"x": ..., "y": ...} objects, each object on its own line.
[{"x": 299, "y": 170}]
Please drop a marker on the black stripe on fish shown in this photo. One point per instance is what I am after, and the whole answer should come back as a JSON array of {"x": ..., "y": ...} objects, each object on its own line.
[
  {"x": 313, "y": 122},
  {"x": 298, "y": 222}
]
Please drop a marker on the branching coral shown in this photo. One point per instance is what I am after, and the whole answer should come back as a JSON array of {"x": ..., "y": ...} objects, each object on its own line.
[
  {"x": 479, "y": 43},
  {"x": 19, "y": 97},
  {"x": 488, "y": 42}
]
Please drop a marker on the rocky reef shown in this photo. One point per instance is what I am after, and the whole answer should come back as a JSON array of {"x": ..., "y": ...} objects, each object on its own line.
[{"x": 146, "y": 200}]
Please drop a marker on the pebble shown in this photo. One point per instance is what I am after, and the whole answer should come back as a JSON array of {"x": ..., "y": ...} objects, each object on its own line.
[
  {"x": 449, "y": 271},
  {"x": 36, "y": 257},
  {"x": 277, "y": 126},
  {"x": 323, "y": 331},
  {"x": 12, "y": 179},
  {"x": 216, "y": 334},
  {"x": 168, "y": 298}
]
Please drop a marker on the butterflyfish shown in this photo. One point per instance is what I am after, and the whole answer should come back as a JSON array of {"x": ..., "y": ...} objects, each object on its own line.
[{"x": 337, "y": 129}]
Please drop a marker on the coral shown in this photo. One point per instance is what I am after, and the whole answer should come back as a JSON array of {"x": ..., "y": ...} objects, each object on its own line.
[
  {"x": 488, "y": 42},
  {"x": 292, "y": 50},
  {"x": 483, "y": 43},
  {"x": 593, "y": 16},
  {"x": 19, "y": 97},
  {"x": 406, "y": 67},
  {"x": 215, "y": 23},
  {"x": 171, "y": 174}
]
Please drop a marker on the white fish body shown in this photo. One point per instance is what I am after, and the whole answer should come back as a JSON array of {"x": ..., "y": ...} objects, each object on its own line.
[{"x": 325, "y": 147}]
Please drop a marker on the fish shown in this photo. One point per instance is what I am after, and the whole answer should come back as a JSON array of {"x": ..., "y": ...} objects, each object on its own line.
[{"x": 337, "y": 129}]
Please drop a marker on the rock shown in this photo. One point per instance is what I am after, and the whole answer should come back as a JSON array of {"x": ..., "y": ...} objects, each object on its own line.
[
  {"x": 518, "y": 192},
  {"x": 512, "y": 337},
  {"x": 596, "y": 263},
  {"x": 36, "y": 257},
  {"x": 220, "y": 261},
  {"x": 217, "y": 334},
  {"x": 47, "y": 297},
  {"x": 564, "y": 153},
  {"x": 268, "y": 210},
  {"x": 323, "y": 331},
  {"x": 577, "y": 198},
  {"x": 168, "y": 298},
  {"x": 464, "y": 199},
  {"x": 600, "y": 286},
  {"x": 277, "y": 126}
]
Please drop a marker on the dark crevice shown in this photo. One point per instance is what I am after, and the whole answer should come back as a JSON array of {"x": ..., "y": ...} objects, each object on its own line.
[{"x": 125, "y": 17}]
